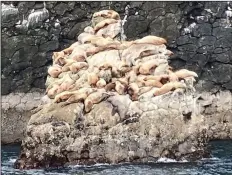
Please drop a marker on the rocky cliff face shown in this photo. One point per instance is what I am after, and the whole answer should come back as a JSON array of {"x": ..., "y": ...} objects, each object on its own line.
[{"x": 199, "y": 33}]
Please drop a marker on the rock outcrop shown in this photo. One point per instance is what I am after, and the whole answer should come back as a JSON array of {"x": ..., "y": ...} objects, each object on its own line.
[
  {"x": 120, "y": 130},
  {"x": 125, "y": 125},
  {"x": 199, "y": 33}
]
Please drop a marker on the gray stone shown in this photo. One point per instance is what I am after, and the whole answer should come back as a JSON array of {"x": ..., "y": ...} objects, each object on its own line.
[{"x": 61, "y": 8}]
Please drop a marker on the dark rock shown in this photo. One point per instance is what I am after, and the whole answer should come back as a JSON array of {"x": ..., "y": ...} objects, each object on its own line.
[{"x": 61, "y": 8}]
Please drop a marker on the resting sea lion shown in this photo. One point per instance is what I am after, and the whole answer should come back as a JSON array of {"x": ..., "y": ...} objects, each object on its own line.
[
  {"x": 92, "y": 78},
  {"x": 183, "y": 73},
  {"x": 146, "y": 67},
  {"x": 104, "y": 23},
  {"x": 75, "y": 67},
  {"x": 107, "y": 14},
  {"x": 94, "y": 98},
  {"x": 133, "y": 90},
  {"x": 168, "y": 87},
  {"x": 54, "y": 71},
  {"x": 151, "y": 40},
  {"x": 153, "y": 83},
  {"x": 101, "y": 83}
]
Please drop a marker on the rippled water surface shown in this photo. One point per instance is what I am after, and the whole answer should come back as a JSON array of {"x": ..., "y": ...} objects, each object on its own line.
[{"x": 220, "y": 164}]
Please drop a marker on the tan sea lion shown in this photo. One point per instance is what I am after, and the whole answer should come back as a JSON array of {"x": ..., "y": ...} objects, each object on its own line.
[
  {"x": 80, "y": 95},
  {"x": 151, "y": 40},
  {"x": 101, "y": 83},
  {"x": 104, "y": 23},
  {"x": 94, "y": 98},
  {"x": 153, "y": 83},
  {"x": 89, "y": 30},
  {"x": 107, "y": 14},
  {"x": 144, "y": 89},
  {"x": 168, "y": 87},
  {"x": 183, "y": 73},
  {"x": 172, "y": 76},
  {"x": 70, "y": 49},
  {"x": 68, "y": 62},
  {"x": 75, "y": 67},
  {"x": 51, "y": 92},
  {"x": 146, "y": 67},
  {"x": 54, "y": 71},
  {"x": 92, "y": 78}
]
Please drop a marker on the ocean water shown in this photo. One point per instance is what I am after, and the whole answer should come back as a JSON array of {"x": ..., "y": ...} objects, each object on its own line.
[{"x": 219, "y": 164}]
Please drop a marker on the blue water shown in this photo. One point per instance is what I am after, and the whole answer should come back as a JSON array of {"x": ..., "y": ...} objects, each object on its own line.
[{"x": 219, "y": 164}]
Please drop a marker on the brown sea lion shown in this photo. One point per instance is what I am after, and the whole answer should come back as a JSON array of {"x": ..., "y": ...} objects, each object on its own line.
[
  {"x": 168, "y": 87},
  {"x": 110, "y": 86},
  {"x": 120, "y": 88},
  {"x": 133, "y": 90}
]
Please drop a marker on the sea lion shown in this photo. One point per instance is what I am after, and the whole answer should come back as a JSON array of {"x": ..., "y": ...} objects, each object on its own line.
[
  {"x": 67, "y": 94},
  {"x": 101, "y": 83},
  {"x": 70, "y": 49},
  {"x": 183, "y": 73},
  {"x": 107, "y": 14},
  {"x": 75, "y": 67},
  {"x": 94, "y": 98},
  {"x": 92, "y": 78},
  {"x": 110, "y": 86},
  {"x": 153, "y": 83},
  {"x": 85, "y": 37},
  {"x": 146, "y": 67},
  {"x": 168, "y": 87},
  {"x": 51, "y": 92},
  {"x": 151, "y": 40},
  {"x": 89, "y": 30},
  {"x": 80, "y": 95},
  {"x": 133, "y": 90},
  {"x": 120, "y": 88},
  {"x": 67, "y": 84},
  {"x": 144, "y": 89},
  {"x": 54, "y": 70},
  {"x": 56, "y": 56},
  {"x": 104, "y": 23},
  {"x": 161, "y": 69},
  {"x": 172, "y": 76},
  {"x": 68, "y": 63},
  {"x": 111, "y": 30},
  {"x": 156, "y": 77}
]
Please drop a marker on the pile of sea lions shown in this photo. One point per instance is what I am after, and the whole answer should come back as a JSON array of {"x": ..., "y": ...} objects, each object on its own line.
[{"x": 99, "y": 65}]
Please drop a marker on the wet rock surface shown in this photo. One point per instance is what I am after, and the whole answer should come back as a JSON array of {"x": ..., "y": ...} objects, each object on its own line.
[
  {"x": 197, "y": 32},
  {"x": 16, "y": 112},
  {"x": 120, "y": 130}
]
